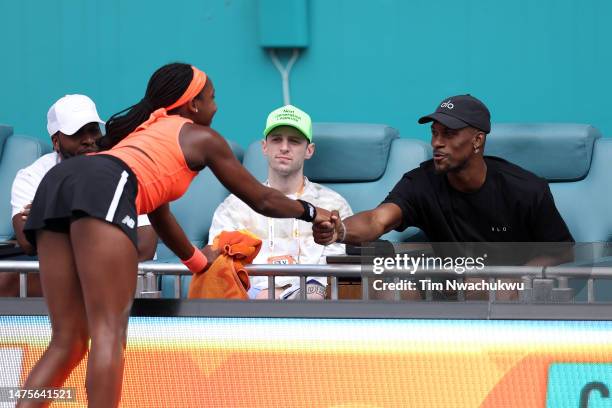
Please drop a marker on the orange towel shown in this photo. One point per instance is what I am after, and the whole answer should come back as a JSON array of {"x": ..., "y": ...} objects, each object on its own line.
[{"x": 226, "y": 278}]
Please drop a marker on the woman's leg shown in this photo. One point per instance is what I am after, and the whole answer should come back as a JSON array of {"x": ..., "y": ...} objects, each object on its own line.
[
  {"x": 62, "y": 290},
  {"x": 107, "y": 265}
]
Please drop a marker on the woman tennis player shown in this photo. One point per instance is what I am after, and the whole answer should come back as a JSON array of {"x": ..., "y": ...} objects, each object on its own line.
[{"x": 83, "y": 216}]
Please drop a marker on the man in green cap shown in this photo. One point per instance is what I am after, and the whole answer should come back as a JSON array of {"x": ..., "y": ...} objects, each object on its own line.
[{"x": 287, "y": 144}]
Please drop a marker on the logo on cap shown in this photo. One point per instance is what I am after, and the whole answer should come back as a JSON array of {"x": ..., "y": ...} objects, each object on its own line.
[
  {"x": 447, "y": 104},
  {"x": 289, "y": 115}
]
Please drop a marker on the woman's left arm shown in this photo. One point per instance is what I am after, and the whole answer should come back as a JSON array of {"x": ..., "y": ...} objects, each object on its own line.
[{"x": 173, "y": 235}]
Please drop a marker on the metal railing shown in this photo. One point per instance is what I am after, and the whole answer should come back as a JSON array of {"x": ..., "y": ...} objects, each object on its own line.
[{"x": 539, "y": 282}]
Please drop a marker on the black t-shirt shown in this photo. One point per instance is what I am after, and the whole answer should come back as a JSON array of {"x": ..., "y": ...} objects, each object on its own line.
[{"x": 513, "y": 205}]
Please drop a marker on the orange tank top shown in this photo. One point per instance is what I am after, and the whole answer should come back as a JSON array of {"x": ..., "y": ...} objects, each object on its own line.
[{"x": 153, "y": 153}]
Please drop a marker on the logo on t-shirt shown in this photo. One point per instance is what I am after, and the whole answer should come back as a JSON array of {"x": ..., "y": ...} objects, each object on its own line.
[{"x": 499, "y": 228}]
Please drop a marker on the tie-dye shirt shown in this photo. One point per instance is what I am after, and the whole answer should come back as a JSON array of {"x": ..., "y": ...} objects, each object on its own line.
[{"x": 234, "y": 214}]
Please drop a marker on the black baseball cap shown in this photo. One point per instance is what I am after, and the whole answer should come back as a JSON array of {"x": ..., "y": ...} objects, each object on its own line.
[{"x": 457, "y": 112}]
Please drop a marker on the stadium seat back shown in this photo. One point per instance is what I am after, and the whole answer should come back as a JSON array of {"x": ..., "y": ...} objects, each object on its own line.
[
  {"x": 577, "y": 162},
  {"x": 16, "y": 152}
]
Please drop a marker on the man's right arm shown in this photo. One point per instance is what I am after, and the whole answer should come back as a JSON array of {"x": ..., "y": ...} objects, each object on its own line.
[
  {"x": 18, "y": 223},
  {"x": 22, "y": 193},
  {"x": 395, "y": 212},
  {"x": 365, "y": 226}
]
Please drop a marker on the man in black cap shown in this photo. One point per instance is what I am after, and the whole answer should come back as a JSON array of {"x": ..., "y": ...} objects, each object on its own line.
[{"x": 461, "y": 195}]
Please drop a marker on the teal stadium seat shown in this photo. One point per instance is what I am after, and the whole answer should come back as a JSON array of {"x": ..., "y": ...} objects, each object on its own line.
[
  {"x": 194, "y": 213},
  {"x": 16, "y": 152},
  {"x": 362, "y": 162},
  {"x": 577, "y": 162}
]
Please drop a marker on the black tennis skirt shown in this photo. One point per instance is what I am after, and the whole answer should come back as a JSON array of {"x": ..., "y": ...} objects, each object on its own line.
[{"x": 99, "y": 186}]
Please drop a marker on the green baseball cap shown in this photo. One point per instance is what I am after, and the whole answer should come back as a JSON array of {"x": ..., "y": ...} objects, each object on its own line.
[{"x": 289, "y": 115}]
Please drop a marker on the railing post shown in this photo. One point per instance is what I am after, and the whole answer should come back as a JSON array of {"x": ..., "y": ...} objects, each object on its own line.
[
  {"x": 139, "y": 285},
  {"x": 334, "y": 287},
  {"x": 525, "y": 295},
  {"x": 542, "y": 290},
  {"x": 591, "y": 291},
  {"x": 23, "y": 285},
  {"x": 396, "y": 293},
  {"x": 150, "y": 287},
  {"x": 562, "y": 293},
  {"x": 365, "y": 288},
  {"x": 271, "y": 288},
  {"x": 177, "y": 286},
  {"x": 492, "y": 294},
  {"x": 428, "y": 292},
  {"x": 303, "y": 287},
  {"x": 461, "y": 292}
]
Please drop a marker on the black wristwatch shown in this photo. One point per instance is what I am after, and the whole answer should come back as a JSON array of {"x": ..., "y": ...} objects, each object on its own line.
[{"x": 310, "y": 212}]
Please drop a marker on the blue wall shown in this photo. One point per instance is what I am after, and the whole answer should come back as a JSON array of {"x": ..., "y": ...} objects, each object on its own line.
[{"x": 385, "y": 61}]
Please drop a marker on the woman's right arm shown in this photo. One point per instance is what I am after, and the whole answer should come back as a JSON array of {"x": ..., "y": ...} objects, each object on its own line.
[{"x": 266, "y": 201}]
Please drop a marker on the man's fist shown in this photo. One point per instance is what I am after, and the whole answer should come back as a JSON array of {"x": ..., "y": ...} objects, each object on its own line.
[
  {"x": 326, "y": 232},
  {"x": 26, "y": 212}
]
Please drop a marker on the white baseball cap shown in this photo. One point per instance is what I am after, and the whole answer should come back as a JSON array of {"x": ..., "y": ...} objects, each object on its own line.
[{"x": 70, "y": 113}]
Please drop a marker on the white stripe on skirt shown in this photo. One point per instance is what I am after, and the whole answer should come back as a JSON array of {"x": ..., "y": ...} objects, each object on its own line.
[{"x": 118, "y": 191}]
